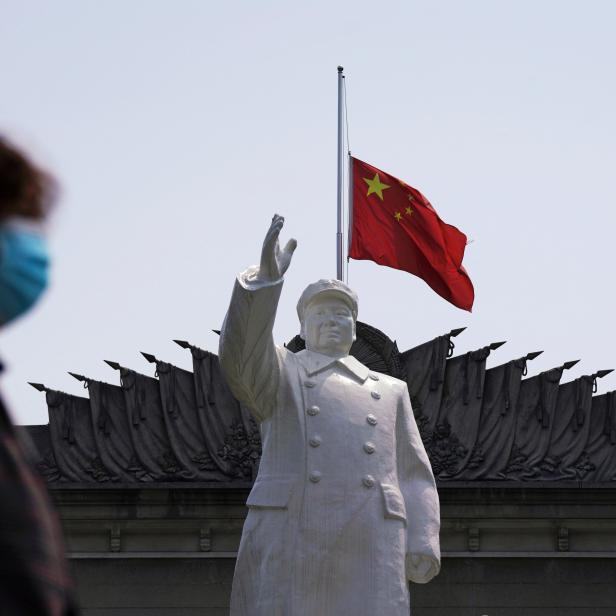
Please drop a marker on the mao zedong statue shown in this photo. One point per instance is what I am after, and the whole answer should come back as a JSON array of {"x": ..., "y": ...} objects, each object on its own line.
[{"x": 344, "y": 510}]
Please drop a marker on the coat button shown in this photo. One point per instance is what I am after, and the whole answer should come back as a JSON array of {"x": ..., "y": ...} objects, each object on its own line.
[
  {"x": 309, "y": 384},
  {"x": 369, "y": 447},
  {"x": 368, "y": 481},
  {"x": 374, "y": 377},
  {"x": 315, "y": 476},
  {"x": 315, "y": 441},
  {"x": 313, "y": 410},
  {"x": 376, "y": 395},
  {"x": 371, "y": 419}
]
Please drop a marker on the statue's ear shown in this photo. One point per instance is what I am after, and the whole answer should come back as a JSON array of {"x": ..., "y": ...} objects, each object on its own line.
[
  {"x": 354, "y": 330},
  {"x": 302, "y": 333}
]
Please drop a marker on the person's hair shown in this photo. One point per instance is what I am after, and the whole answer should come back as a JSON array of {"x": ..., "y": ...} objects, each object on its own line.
[{"x": 25, "y": 189}]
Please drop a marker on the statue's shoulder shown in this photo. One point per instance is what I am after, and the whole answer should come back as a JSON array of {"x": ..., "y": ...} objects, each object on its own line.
[
  {"x": 296, "y": 358},
  {"x": 284, "y": 355},
  {"x": 388, "y": 381}
]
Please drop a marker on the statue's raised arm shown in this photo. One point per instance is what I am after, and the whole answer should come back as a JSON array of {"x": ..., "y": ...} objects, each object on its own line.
[{"x": 248, "y": 356}]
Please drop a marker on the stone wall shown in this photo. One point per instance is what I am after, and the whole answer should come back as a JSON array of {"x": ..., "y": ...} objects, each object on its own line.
[
  {"x": 519, "y": 587},
  {"x": 168, "y": 550}
]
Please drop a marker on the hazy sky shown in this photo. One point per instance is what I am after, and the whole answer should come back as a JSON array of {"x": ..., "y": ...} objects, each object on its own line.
[{"x": 178, "y": 128}]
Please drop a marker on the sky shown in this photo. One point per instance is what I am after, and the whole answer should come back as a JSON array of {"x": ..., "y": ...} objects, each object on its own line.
[{"x": 177, "y": 129}]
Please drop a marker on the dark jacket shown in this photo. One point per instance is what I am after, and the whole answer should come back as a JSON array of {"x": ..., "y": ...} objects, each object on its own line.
[{"x": 34, "y": 579}]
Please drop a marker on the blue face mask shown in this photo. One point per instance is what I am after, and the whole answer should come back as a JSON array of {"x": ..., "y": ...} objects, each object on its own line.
[{"x": 24, "y": 264}]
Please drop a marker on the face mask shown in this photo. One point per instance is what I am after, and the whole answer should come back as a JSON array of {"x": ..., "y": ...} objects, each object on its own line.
[{"x": 24, "y": 264}]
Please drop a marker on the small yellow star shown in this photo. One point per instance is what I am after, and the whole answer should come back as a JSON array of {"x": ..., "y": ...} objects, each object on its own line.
[
  {"x": 375, "y": 186},
  {"x": 411, "y": 198},
  {"x": 398, "y": 216},
  {"x": 409, "y": 211}
]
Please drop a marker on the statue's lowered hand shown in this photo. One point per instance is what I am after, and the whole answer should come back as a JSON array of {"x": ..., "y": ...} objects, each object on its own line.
[
  {"x": 421, "y": 569},
  {"x": 275, "y": 262}
]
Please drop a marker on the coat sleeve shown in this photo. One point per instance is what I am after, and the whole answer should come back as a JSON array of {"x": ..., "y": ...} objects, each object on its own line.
[
  {"x": 418, "y": 487},
  {"x": 248, "y": 357}
]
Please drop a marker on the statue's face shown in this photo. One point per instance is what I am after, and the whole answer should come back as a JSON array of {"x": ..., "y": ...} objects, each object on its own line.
[{"x": 328, "y": 326}]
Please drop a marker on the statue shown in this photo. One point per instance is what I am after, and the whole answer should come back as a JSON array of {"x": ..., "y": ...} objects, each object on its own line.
[{"x": 344, "y": 510}]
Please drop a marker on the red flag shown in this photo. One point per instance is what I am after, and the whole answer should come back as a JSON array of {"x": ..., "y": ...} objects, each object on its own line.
[{"x": 393, "y": 224}]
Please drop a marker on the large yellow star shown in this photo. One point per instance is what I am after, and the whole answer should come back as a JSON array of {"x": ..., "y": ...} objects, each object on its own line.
[{"x": 375, "y": 186}]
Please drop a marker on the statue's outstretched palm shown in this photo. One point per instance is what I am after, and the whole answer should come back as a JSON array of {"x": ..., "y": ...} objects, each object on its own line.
[{"x": 275, "y": 262}]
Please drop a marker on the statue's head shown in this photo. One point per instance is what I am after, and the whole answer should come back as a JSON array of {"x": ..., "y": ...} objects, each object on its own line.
[{"x": 327, "y": 311}]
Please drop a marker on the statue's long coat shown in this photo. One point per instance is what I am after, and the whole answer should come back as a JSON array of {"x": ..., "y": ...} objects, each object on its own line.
[{"x": 344, "y": 493}]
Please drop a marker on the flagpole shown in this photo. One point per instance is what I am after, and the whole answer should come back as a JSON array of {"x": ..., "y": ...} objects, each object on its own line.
[{"x": 339, "y": 241}]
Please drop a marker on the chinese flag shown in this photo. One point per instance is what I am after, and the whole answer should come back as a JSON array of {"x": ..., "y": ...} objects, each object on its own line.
[{"x": 393, "y": 224}]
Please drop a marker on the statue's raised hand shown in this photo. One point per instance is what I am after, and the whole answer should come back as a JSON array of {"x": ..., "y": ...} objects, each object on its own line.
[{"x": 275, "y": 262}]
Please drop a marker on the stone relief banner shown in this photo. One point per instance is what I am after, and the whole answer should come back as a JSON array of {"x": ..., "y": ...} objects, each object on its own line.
[
  {"x": 424, "y": 369},
  {"x": 112, "y": 434},
  {"x": 72, "y": 439},
  {"x": 184, "y": 422},
  {"x": 497, "y": 422},
  {"x": 566, "y": 457},
  {"x": 146, "y": 426},
  {"x": 230, "y": 433},
  {"x": 456, "y": 425},
  {"x": 601, "y": 445},
  {"x": 533, "y": 429},
  {"x": 477, "y": 424}
]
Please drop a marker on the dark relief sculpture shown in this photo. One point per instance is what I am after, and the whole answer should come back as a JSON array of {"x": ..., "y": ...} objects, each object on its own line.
[{"x": 477, "y": 424}]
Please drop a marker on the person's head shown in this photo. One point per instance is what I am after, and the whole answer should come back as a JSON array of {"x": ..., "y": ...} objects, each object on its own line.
[
  {"x": 327, "y": 312},
  {"x": 26, "y": 190},
  {"x": 26, "y": 195}
]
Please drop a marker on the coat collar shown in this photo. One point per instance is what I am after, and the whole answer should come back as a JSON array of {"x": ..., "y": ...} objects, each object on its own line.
[{"x": 315, "y": 362}]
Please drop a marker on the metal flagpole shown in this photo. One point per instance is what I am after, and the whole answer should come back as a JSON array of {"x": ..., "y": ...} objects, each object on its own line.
[{"x": 339, "y": 244}]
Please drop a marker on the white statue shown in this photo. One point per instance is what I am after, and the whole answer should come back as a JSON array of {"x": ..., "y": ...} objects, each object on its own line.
[{"x": 344, "y": 510}]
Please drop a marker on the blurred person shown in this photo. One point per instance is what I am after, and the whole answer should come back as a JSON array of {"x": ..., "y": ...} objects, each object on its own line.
[{"x": 34, "y": 577}]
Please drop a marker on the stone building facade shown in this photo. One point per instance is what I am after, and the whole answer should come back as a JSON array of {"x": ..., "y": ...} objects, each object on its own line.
[{"x": 151, "y": 478}]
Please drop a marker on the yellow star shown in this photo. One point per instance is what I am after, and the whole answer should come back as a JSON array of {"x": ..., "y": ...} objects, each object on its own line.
[
  {"x": 409, "y": 211},
  {"x": 411, "y": 198},
  {"x": 398, "y": 216},
  {"x": 375, "y": 186}
]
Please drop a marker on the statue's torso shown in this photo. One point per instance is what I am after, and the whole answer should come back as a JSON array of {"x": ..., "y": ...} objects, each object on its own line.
[{"x": 319, "y": 516}]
